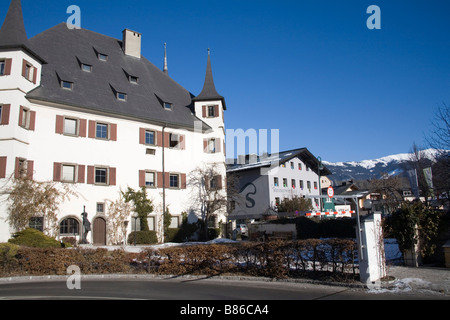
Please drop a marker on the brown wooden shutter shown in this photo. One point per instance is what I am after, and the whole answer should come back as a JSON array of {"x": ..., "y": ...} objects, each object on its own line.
[
  {"x": 34, "y": 75},
  {"x": 159, "y": 139},
  {"x": 218, "y": 145},
  {"x": 141, "y": 136},
  {"x": 3, "y": 167},
  {"x": 16, "y": 168},
  {"x": 59, "y": 124},
  {"x": 83, "y": 128},
  {"x": 113, "y": 132},
  {"x": 8, "y": 65},
  {"x": 183, "y": 181},
  {"x": 160, "y": 179},
  {"x": 219, "y": 182},
  {"x": 91, "y": 175},
  {"x": 112, "y": 176},
  {"x": 5, "y": 114},
  {"x": 141, "y": 178},
  {"x": 216, "y": 111},
  {"x": 205, "y": 145},
  {"x": 92, "y": 127},
  {"x": 56, "y": 171},
  {"x": 205, "y": 109},
  {"x": 32, "y": 120},
  {"x": 166, "y": 139},
  {"x": 24, "y": 67},
  {"x": 81, "y": 173},
  {"x": 182, "y": 142},
  {"x": 167, "y": 179},
  {"x": 30, "y": 169},
  {"x": 20, "y": 115}
]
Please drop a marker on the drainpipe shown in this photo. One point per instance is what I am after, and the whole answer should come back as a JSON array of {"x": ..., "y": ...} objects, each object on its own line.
[{"x": 164, "y": 175}]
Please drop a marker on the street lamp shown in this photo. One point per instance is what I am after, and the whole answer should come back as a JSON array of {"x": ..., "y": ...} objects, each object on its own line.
[{"x": 135, "y": 216}]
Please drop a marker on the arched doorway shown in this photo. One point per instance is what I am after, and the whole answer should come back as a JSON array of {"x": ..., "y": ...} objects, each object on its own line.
[{"x": 99, "y": 232}]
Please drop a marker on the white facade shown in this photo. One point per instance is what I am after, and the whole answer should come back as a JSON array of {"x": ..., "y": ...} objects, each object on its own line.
[{"x": 43, "y": 142}]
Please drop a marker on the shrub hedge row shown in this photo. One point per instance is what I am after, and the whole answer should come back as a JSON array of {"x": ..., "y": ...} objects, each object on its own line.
[{"x": 276, "y": 259}]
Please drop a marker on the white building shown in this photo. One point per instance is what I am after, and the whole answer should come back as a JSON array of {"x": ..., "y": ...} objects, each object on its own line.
[
  {"x": 264, "y": 182},
  {"x": 87, "y": 110}
]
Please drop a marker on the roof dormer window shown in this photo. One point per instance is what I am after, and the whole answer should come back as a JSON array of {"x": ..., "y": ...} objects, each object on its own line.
[
  {"x": 86, "y": 67},
  {"x": 66, "y": 85},
  {"x": 102, "y": 57},
  {"x": 121, "y": 96},
  {"x": 133, "y": 79},
  {"x": 167, "y": 106}
]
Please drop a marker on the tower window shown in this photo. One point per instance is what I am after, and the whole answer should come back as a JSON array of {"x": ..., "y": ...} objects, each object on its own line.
[
  {"x": 167, "y": 106},
  {"x": 121, "y": 96},
  {"x": 133, "y": 79},
  {"x": 102, "y": 57}
]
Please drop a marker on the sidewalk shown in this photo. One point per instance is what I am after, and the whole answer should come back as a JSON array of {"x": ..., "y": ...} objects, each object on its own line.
[{"x": 422, "y": 278}]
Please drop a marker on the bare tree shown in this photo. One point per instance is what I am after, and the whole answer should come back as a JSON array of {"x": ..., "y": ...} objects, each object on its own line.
[
  {"x": 209, "y": 192},
  {"x": 440, "y": 135},
  {"x": 29, "y": 199},
  {"x": 118, "y": 212}
]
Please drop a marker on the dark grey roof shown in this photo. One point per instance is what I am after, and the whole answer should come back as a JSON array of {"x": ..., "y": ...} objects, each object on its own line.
[
  {"x": 66, "y": 50},
  {"x": 278, "y": 158},
  {"x": 209, "y": 91},
  {"x": 13, "y": 34}
]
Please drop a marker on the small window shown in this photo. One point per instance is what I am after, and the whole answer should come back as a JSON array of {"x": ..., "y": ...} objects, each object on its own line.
[
  {"x": 275, "y": 181},
  {"x": 100, "y": 207},
  {"x": 149, "y": 137},
  {"x": 212, "y": 145},
  {"x": 211, "y": 111},
  {"x": 121, "y": 96},
  {"x": 150, "y": 179},
  {"x": 101, "y": 131},
  {"x": 277, "y": 201},
  {"x": 174, "y": 181},
  {"x": 86, "y": 67},
  {"x": 68, "y": 173},
  {"x": 301, "y": 184},
  {"x": 37, "y": 223},
  {"x": 315, "y": 184},
  {"x": 25, "y": 118},
  {"x": 2, "y": 67},
  {"x": 70, "y": 126},
  {"x": 299, "y": 166},
  {"x": 174, "y": 140},
  {"x": 292, "y": 165},
  {"x": 101, "y": 175},
  {"x": 102, "y": 57},
  {"x": 174, "y": 222},
  {"x": 133, "y": 79},
  {"x": 308, "y": 184},
  {"x": 293, "y": 183},
  {"x": 167, "y": 106},
  {"x": 29, "y": 72},
  {"x": 285, "y": 182},
  {"x": 150, "y": 151},
  {"x": 66, "y": 85}
]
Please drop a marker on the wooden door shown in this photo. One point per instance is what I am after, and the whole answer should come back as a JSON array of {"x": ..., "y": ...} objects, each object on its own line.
[{"x": 100, "y": 232}]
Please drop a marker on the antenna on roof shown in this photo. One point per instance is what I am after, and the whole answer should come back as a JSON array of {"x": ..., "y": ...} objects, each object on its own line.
[{"x": 166, "y": 68}]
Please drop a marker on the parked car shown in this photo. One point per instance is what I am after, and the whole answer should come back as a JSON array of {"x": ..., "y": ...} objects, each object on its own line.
[{"x": 242, "y": 229}]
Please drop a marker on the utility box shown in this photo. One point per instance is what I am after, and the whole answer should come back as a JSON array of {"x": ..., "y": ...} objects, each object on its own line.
[{"x": 372, "y": 263}]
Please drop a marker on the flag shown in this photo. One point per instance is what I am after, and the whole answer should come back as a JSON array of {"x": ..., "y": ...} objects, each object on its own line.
[
  {"x": 413, "y": 182},
  {"x": 429, "y": 179}
]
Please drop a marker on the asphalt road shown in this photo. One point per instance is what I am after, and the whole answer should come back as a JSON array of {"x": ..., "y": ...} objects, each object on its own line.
[{"x": 196, "y": 289}]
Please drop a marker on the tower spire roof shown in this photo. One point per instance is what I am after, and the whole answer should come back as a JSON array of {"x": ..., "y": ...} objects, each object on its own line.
[
  {"x": 12, "y": 33},
  {"x": 209, "y": 91},
  {"x": 166, "y": 66}
]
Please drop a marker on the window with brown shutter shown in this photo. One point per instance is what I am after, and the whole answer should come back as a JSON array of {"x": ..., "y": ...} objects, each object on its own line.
[
  {"x": 4, "y": 114},
  {"x": 3, "y": 167},
  {"x": 27, "y": 118}
]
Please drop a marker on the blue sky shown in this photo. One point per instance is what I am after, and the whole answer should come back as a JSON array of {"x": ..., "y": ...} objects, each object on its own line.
[{"x": 311, "y": 69}]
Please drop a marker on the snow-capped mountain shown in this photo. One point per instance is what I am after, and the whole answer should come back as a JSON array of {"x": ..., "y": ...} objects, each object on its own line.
[{"x": 369, "y": 169}]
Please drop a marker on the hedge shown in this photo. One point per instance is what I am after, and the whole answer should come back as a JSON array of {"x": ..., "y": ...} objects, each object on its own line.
[
  {"x": 142, "y": 237},
  {"x": 318, "y": 259}
]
